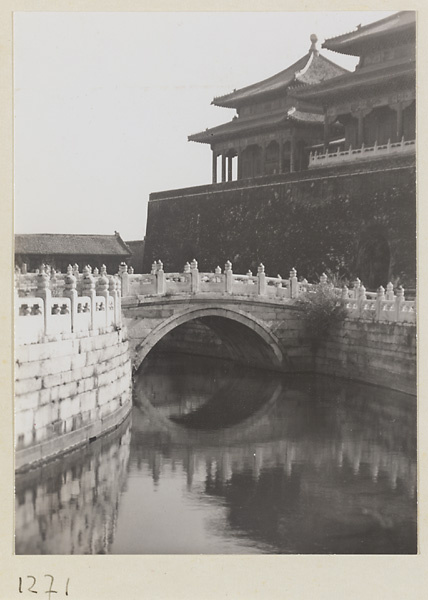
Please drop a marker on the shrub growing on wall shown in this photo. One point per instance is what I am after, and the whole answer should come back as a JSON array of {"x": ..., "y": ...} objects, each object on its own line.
[{"x": 322, "y": 309}]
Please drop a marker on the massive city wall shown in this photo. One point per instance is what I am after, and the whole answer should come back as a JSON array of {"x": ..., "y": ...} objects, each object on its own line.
[{"x": 323, "y": 219}]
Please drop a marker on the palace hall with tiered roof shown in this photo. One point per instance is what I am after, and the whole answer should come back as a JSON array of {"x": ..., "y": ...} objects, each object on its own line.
[
  {"x": 315, "y": 169},
  {"x": 271, "y": 129},
  {"x": 317, "y": 105}
]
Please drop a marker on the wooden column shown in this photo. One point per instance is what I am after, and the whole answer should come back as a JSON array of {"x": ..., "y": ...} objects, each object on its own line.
[
  {"x": 292, "y": 150},
  {"x": 326, "y": 132},
  {"x": 280, "y": 157},
  {"x": 399, "y": 122},
  {"x": 360, "y": 114},
  {"x": 239, "y": 159},
  {"x": 360, "y": 136},
  {"x": 214, "y": 167},
  {"x": 263, "y": 159},
  {"x": 229, "y": 168},
  {"x": 399, "y": 108},
  {"x": 223, "y": 168}
]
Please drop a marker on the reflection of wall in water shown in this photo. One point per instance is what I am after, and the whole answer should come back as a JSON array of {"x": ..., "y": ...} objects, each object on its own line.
[
  {"x": 70, "y": 506},
  {"x": 347, "y": 450}
]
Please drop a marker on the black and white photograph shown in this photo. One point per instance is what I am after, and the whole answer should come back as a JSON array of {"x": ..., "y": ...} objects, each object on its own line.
[{"x": 215, "y": 284}]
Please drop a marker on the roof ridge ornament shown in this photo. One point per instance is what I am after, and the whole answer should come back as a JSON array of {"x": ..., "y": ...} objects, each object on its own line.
[{"x": 313, "y": 49}]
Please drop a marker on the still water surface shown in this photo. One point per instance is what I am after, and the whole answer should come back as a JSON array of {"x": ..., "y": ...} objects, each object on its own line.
[{"x": 221, "y": 459}]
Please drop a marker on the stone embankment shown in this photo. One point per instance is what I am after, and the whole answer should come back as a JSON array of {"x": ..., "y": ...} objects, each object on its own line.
[{"x": 72, "y": 364}]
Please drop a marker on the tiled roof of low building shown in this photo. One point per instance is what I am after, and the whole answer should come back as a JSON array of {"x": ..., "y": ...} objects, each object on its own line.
[{"x": 72, "y": 244}]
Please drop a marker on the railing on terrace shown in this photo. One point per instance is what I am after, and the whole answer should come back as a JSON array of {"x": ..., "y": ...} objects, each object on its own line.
[
  {"x": 363, "y": 153},
  {"x": 52, "y": 304},
  {"x": 382, "y": 305}
]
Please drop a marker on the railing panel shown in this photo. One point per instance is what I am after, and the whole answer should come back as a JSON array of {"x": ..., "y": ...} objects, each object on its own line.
[
  {"x": 368, "y": 309},
  {"x": 59, "y": 316},
  {"x": 100, "y": 312},
  {"x": 244, "y": 285},
  {"x": 30, "y": 320},
  {"x": 111, "y": 315},
  {"x": 388, "y": 311},
  {"x": 407, "y": 312},
  {"x": 135, "y": 284},
  {"x": 178, "y": 283},
  {"x": 212, "y": 283},
  {"x": 402, "y": 147},
  {"x": 82, "y": 320},
  {"x": 146, "y": 285}
]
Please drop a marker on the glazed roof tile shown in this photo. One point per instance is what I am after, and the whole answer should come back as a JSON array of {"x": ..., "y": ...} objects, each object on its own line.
[
  {"x": 372, "y": 76},
  {"x": 244, "y": 125},
  {"x": 311, "y": 68},
  {"x": 353, "y": 42}
]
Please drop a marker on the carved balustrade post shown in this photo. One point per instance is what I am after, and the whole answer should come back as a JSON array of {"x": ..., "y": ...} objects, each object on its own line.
[
  {"x": 323, "y": 279},
  {"x": 115, "y": 294},
  {"x": 119, "y": 301},
  {"x": 399, "y": 299},
  {"x": 362, "y": 297},
  {"x": 261, "y": 280},
  {"x": 294, "y": 284},
  {"x": 43, "y": 291},
  {"x": 160, "y": 278},
  {"x": 228, "y": 277},
  {"x": 70, "y": 291},
  {"x": 124, "y": 278},
  {"x": 102, "y": 290},
  {"x": 88, "y": 289},
  {"x": 390, "y": 292},
  {"x": 356, "y": 288},
  {"x": 53, "y": 280},
  {"x": 194, "y": 277},
  {"x": 380, "y": 298},
  {"x": 278, "y": 285},
  {"x": 345, "y": 295}
]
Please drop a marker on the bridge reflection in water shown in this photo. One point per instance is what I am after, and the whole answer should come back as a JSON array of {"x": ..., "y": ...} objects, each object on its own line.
[{"x": 220, "y": 459}]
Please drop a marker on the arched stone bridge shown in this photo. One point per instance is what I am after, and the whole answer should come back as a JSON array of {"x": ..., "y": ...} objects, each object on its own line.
[
  {"x": 256, "y": 318},
  {"x": 252, "y": 331}
]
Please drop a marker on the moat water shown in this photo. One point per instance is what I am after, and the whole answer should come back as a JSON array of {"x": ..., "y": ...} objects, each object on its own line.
[{"x": 219, "y": 459}]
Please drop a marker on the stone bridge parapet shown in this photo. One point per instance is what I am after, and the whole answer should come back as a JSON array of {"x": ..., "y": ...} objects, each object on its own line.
[{"x": 381, "y": 305}]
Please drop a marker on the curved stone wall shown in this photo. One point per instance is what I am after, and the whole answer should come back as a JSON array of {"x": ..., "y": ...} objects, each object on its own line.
[{"x": 68, "y": 391}]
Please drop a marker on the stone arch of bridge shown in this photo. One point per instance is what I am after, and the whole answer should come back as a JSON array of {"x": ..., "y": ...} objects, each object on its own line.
[{"x": 256, "y": 330}]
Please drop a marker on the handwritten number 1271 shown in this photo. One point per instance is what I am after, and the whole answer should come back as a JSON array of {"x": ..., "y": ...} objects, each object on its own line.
[{"x": 32, "y": 586}]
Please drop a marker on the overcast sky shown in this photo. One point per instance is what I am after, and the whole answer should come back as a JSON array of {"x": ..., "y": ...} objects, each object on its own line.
[{"x": 104, "y": 103}]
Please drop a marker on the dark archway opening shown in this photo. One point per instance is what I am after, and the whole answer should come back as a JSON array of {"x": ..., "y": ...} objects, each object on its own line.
[
  {"x": 221, "y": 338},
  {"x": 210, "y": 372}
]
